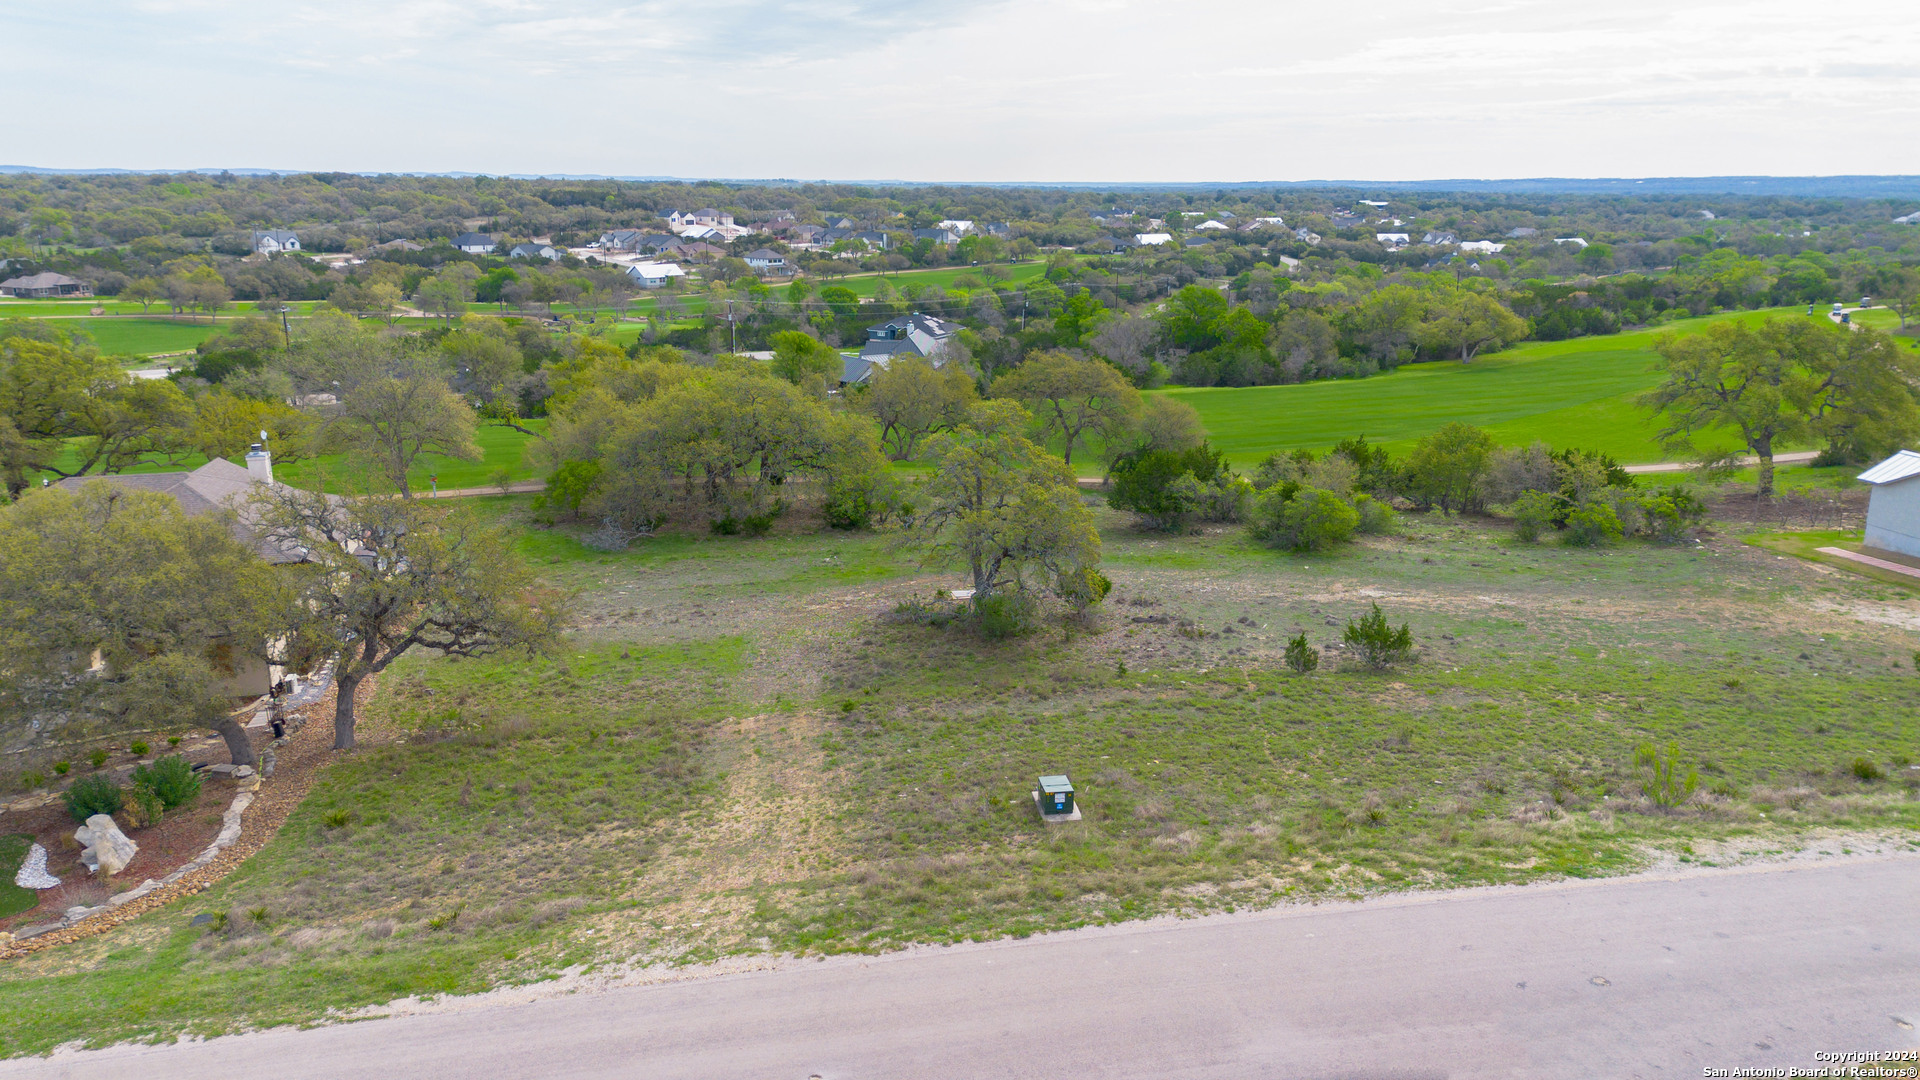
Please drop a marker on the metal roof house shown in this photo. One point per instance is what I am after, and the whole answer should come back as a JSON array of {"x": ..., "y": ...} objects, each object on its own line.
[
  {"x": 474, "y": 243},
  {"x": 1893, "y": 507},
  {"x": 535, "y": 251}
]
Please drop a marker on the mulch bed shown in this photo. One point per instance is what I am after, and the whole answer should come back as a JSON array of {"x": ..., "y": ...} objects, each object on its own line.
[{"x": 298, "y": 762}]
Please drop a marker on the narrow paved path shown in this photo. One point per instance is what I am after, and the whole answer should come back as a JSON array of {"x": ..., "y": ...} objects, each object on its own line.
[{"x": 1633, "y": 977}]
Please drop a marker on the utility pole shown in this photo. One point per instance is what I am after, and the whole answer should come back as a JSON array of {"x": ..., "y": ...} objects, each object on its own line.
[{"x": 731, "y": 328}]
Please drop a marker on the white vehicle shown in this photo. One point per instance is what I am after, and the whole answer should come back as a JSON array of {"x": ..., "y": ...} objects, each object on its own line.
[{"x": 1838, "y": 307}]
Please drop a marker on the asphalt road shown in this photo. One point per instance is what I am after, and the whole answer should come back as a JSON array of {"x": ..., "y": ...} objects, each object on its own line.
[{"x": 1637, "y": 977}]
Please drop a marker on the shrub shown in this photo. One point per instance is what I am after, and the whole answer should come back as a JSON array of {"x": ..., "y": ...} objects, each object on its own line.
[
  {"x": 61, "y": 768},
  {"x": 852, "y": 508},
  {"x": 90, "y": 795},
  {"x": 568, "y": 487},
  {"x": 1309, "y": 519},
  {"x": 336, "y": 819},
  {"x": 1166, "y": 487},
  {"x": 1379, "y": 645},
  {"x": 139, "y": 748},
  {"x": 501, "y": 478},
  {"x": 1671, "y": 511},
  {"x": 31, "y": 779},
  {"x": 1376, "y": 517},
  {"x": 1864, "y": 769},
  {"x": 173, "y": 740},
  {"x": 1593, "y": 524},
  {"x": 1662, "y": 781},
  {"x": 1533, "y": 514},
  {"x": 1005, "y": 615},
  {"x": 144, "y": 808},
  {"x": 1083, "y": 587},
  {"x": 97, "y": 757},
  {"x": 1301, "y": 656},
  {"x": 171, "y": 778}
]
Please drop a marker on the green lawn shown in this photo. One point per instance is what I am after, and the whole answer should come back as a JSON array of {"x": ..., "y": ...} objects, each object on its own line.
[
  {"x": 142, "y": 337},
  {"x": 500, "y": 447},
  {"x": 1567, "y": 393},
  {"x": 742, "y": 749}
]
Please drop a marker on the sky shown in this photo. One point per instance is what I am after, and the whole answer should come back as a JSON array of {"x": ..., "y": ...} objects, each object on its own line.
[{"x": 969, "y": 90}]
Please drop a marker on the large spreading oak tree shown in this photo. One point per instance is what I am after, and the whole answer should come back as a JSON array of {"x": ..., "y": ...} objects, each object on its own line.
[{"x": 386, "y": 575}]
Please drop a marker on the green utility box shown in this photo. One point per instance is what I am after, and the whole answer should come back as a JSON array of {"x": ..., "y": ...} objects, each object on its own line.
[{"x": 1056, "y": 796}]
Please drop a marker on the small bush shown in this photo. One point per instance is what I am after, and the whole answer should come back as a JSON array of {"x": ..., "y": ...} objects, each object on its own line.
[
  {"x": 1670, "y": 512},
  {"x": 1302, "y": 657},
  {"x": 97, "y": 757},
  {"x": 139, "y": 748},
  {"x": 31, "y": 779},
  {"x": 336, "y": 819},
  {"x": 1864, "y": 769},
  {"x": 61, "y": 768},
  {"x": 501, "y": 478},
  {"x": 171, "y": 778},
  {"x": 173, "y": 740},
  {"x": 92, "y": 795},
  {"x": 1533, "y": 514},
  {"x": 1379, "y": 645},
  {"x": 1662, "y": 781},
  {"x": 1083, "y": 588},
  {"x": 1005, "y": 615},
  {"x": 144, "y": 808},
  {"x": 1306, "y": 519},
  {"x": 1593, "y": 524},
  {"x": 1376, "y": 517}
]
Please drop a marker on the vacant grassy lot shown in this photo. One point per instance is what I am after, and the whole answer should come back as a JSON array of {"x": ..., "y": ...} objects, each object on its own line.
[
  {"x": 743, "y": 749},
  {"x": 1570, "y": 393}
]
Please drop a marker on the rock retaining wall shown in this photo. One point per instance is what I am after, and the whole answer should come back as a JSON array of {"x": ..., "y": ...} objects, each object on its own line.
[{"x": 297, "y": 762}]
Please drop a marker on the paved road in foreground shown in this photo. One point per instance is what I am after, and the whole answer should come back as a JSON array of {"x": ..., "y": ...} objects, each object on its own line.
[{"x": 1635, "y": 977}]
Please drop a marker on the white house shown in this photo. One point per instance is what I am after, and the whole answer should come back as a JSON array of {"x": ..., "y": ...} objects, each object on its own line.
[
  {"x": 535, "y": 251},
  {"x": 1893, "y": 507},
  {"x": 650, "y": 275},
  {"x": 1486, "y": 246},
  {"x": 1150, "y": 239},
  {"x": 274, "y": 241},
  {"x": 474, "y": 243},
  {"x": 767, "y": 260},
  {"x": 1211, "y": 224},
  {"x": 703, "y": 216},
  {"x": 1392, "y": 239},
  {"x": 1579, "y": 241},
  {"x": 957, "y": 226}
]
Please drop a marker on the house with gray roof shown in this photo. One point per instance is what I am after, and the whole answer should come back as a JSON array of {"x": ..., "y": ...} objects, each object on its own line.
[
  {"x": 44, "y": 286},
  {"x": 909, "y": 335},
  {"x": 274, "y": 241},
  {"x": 474, "y": 243},
  {"x": 534, "y": 251}
]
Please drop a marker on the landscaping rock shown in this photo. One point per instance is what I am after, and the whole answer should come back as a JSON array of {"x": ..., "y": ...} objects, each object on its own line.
[
  {"x": 223, "y": 768},
  {"x": 33, "y": 873},
  {"x": 107, "y": 848},
  {"x": 241, "y": 772}
]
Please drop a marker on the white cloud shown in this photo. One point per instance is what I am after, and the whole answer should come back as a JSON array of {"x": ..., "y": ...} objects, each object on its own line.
[{"x": 1045, "y": 90}]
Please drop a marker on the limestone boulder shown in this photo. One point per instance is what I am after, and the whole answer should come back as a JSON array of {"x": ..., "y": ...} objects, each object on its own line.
[{"x": 108, "y": 850}]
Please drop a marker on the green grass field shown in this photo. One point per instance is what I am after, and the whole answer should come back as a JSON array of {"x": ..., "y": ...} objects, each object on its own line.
[
  {"x": 500, "y": 447},
  {"x": 142, "y": 337},
  {"x": 741, "y": 750},
  {"x": 1579, "y": 392}
]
